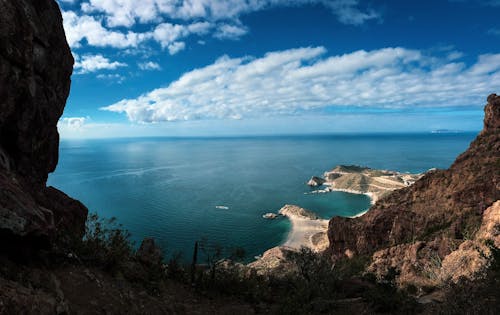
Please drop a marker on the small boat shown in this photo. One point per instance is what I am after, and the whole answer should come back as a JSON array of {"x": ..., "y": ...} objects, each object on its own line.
[{"x": 222, "y": 207}]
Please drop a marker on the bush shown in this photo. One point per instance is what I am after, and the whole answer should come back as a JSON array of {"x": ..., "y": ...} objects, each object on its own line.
[{"x": 105, "y": 243}]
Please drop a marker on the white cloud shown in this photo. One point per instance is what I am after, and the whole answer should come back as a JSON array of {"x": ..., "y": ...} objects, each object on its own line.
[
  {"x": 90, "y": 28},
  {"x": 111, "y": 77},
  {"x": 291, "y": 81},
  {"x": 108, "y": 23},
  {"x": 149, "y": 65},
  {"x": 72, "y": 123},
  {"x": 230, "y": 31},
  {"x": 347, "y": 12},
  {"x": 128, "y": 12},
  {"x": 93, "y": 63},
  {"x": 168, "y": 34},
  {"x": 175, "y": 47}
]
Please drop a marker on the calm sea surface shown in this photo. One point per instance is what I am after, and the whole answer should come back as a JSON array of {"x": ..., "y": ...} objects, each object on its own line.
[{"x": 168, "y": 188}]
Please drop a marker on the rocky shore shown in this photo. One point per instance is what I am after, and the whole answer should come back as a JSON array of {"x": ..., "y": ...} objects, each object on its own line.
[
  {"x": 310, "y": 231},
  {"x": 363, "y": 180}
]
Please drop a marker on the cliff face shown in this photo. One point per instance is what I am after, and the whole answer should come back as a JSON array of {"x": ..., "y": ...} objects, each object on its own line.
[
  {"x": 441, "y": 210},
  {"x": 35, "y": 69}
]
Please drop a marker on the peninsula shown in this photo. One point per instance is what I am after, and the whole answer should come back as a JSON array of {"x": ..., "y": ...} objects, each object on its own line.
[{"x": 363, "y": 180}]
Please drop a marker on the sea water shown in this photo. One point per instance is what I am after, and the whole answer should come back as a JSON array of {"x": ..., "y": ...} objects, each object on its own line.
[{"x": 180, "y": 190}]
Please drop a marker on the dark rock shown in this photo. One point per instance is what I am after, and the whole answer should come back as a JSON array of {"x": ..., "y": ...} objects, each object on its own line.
[
  {"x": 35, "y": 69},
  {"x": 316, "y": 181},
  {"x": 492, "y": 114},
  {"x": 149, "y": 253},
  {"x": 443, "y": 203}
]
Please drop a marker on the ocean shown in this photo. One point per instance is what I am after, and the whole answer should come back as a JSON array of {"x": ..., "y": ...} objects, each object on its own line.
[{"x": 169, "y": 188}]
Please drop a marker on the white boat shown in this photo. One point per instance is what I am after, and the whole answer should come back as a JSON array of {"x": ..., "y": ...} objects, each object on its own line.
[{"x": 222, "y": 207}]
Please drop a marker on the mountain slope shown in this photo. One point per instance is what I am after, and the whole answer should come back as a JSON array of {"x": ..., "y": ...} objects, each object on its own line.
[{"x": 442, "y": 209}]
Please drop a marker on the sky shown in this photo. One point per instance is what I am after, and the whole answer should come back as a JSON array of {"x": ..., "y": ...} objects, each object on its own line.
[{"x": 271, "y": 67}]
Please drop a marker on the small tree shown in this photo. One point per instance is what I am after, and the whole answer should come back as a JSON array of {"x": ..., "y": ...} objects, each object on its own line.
[{"x": 213, "y": 255}]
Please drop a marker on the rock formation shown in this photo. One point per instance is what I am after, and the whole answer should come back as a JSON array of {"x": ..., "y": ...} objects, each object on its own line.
[
  {"x": 298, "y": 212},
  {"x": 423, "y": 223},
  {"x": 35, "y": 69},
  {"x": 364, "y": 180},
  {"x": 316, "y": 181}
]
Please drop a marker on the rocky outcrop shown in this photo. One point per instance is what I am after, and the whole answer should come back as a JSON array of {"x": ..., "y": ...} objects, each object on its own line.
[
  {"x": 274, "y": 261},
  {"x": 35, "y": 69},
  {"x": 316, "y": 181},
  {"x": 441, "y": 210},
  {"x": 297, "y": 212},
  {"x": 421, "y": 264}
]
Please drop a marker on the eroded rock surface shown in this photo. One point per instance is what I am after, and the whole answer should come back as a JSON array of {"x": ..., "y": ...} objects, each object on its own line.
[
  {"x": 35, "y": 69},
  {"x": 449, "y": 202},
  {"x": 433, "y": 231}
]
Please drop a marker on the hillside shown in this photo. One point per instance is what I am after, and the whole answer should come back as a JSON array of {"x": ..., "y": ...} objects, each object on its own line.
[{"x": 432, "y": 217}]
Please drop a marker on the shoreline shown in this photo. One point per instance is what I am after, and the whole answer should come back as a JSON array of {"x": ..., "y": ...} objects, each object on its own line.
[
  {"x": 373, "y": 197},
  {"x": 310, "y": 231},
  {"x": 307, "y": 230},
  {"x": 304, "y": 232}
]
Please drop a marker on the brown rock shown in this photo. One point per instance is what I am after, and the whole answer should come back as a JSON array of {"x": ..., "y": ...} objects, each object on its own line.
[
  {"x": 316, "y": 181},
  {"x": 274, "y": 261},
  {"x": 490, "y": 228},
  {"x": 35, "y": 69},
  {"x": 447, "y": 203},
  {"x": 492, "y": 114},
  {"x": 467, "y": 262}
]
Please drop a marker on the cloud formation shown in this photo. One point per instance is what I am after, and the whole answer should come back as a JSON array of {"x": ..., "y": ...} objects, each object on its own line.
[
  {"x": 71, "y": 123},
  {"x": 110, "y": 23},
  {"x": 297, "y": 80},
  {"x": 149, "y": 65},
  {"x": 93, "y": 63},
  {"x": 129, "y": 12}
]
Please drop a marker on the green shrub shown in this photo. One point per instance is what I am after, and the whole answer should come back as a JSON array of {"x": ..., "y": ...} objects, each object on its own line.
[{"x": 105, "y": 243}]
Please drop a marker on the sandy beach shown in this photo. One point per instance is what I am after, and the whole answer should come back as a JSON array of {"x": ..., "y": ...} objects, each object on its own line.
[{"x": 307, "y": 229}]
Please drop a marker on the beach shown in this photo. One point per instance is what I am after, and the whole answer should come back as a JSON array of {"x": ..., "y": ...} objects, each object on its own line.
[{"x": 307, "y": 229}]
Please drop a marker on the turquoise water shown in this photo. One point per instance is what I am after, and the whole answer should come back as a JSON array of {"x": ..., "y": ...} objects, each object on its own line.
[{"x": 168, "y": 188}]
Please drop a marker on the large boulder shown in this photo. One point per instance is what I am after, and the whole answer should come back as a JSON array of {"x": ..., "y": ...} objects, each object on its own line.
[{"x": 35, "y": 70}]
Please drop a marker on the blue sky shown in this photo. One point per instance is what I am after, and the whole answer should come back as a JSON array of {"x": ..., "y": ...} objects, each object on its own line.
[{"x": 236, "y": 67}]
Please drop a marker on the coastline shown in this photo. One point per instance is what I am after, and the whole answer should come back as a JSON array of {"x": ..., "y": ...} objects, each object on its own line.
[
  {"x": 306, "y": 232},
  {"x": 373, "y": 197},
  {"x": 312, "y": 233}
]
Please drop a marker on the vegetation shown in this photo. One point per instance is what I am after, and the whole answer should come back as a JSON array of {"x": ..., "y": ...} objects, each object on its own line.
[
  {"x": 315, "y": 285},
  {"x": 105, "y": 243}
]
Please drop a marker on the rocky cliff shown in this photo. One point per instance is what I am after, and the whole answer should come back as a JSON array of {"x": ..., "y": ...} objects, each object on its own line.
[
  {"x": 431, "y": 218},
  {"x": 35, "y": 70}
]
